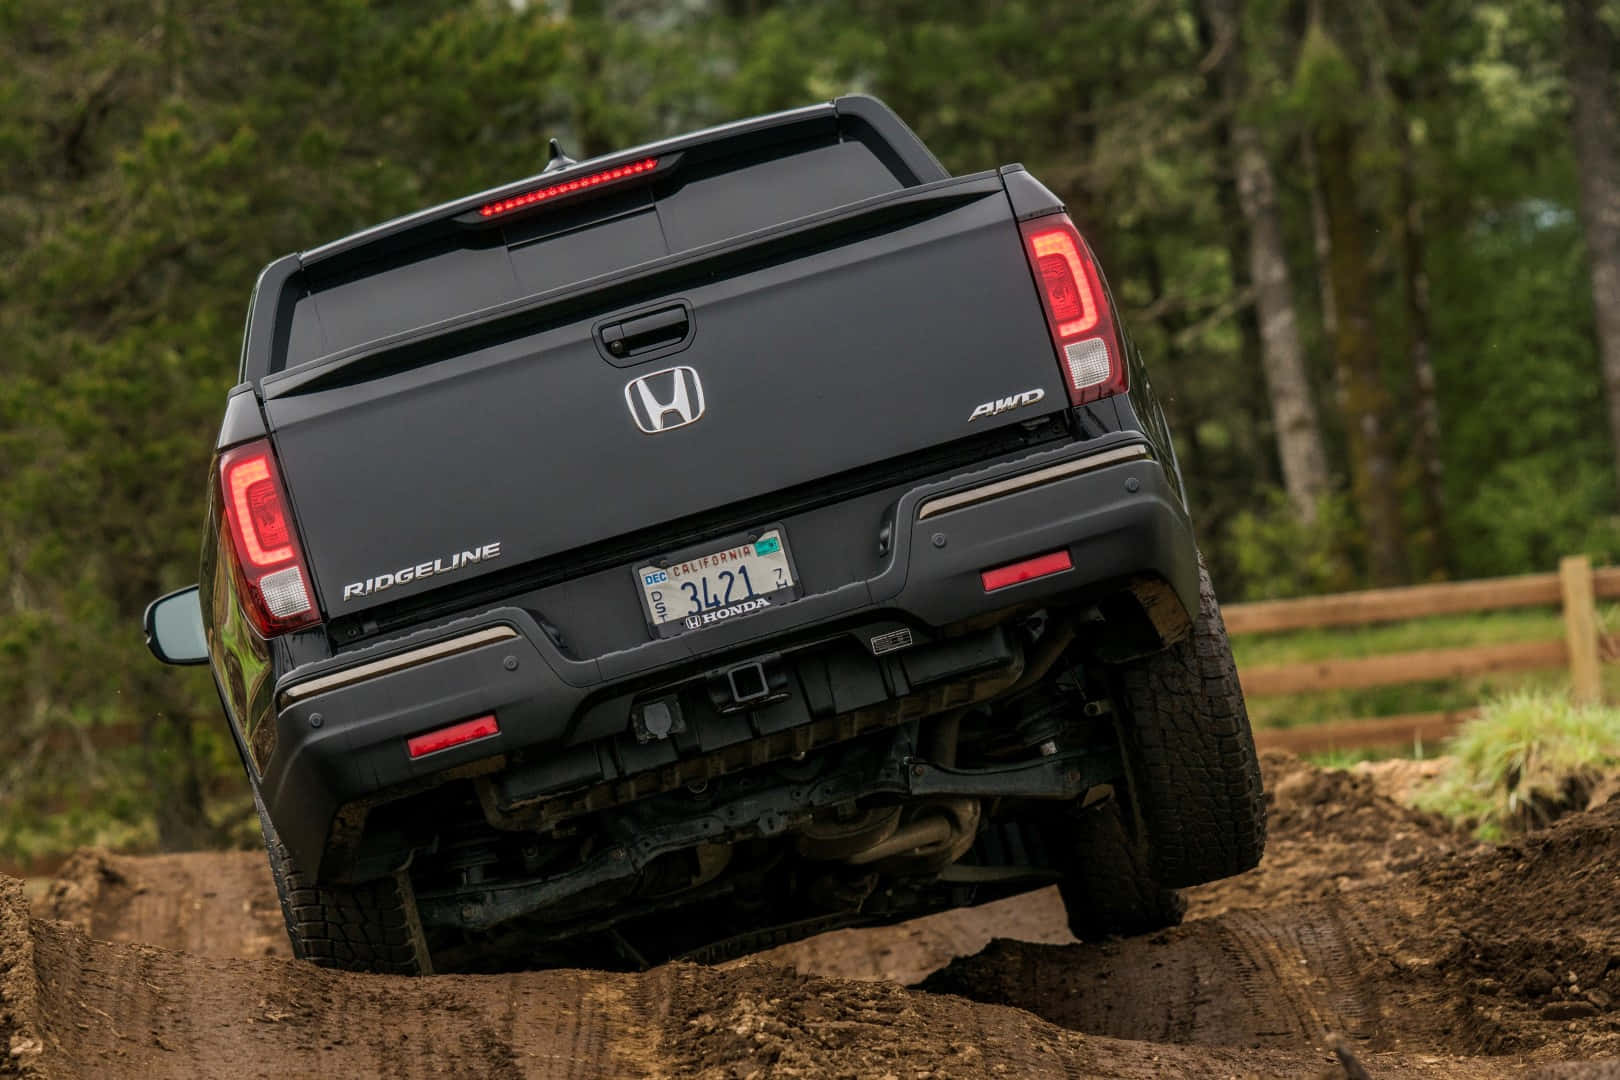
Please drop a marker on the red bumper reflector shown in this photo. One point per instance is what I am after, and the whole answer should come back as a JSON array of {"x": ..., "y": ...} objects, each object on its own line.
[
  {"x": 465, "y": 732},
  {"x": 1028, "y": 570}
]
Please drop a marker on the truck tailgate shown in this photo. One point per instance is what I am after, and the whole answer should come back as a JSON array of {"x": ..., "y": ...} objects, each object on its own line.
[{"x": 796, "y": 363}]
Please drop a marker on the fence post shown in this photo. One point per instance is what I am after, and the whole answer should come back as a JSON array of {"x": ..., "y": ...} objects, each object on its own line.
[{"x": 1580, "y": 628}]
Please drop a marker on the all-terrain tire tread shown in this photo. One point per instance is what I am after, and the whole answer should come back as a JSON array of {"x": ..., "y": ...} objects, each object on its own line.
[
  {"x": 1193, "y": 763},
  {"x": 366, "y": 927}
]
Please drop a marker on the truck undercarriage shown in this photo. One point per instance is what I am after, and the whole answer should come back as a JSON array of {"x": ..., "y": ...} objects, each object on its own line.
[{"x": 928, "y": 800}]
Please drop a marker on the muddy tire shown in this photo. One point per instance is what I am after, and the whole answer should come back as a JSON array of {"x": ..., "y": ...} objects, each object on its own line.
[
  {"x": 1110, "y": 889},
  {"x": 371, "y": 927},
  {"x": 1193, "y": 771}
]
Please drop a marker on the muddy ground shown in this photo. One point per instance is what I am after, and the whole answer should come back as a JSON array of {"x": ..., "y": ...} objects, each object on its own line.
[{"x": 1369, "y": 928}]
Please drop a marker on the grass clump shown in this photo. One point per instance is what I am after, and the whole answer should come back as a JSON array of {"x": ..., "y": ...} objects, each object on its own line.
[
  {"x": 1526, "y": 759},
  {"x": 1343, "y": 757}
]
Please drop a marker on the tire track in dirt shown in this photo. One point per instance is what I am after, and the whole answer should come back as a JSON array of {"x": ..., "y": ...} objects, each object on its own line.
[
  {"x": 1315, "y": 967},
  {"x": 208, "y": 903},
  {"x": 105, "y": 1009},
  {"x": 1252, "y": 979}
]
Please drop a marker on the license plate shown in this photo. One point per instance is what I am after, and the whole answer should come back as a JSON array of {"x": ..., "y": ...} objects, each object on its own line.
[{"x": 709, "y": 589}]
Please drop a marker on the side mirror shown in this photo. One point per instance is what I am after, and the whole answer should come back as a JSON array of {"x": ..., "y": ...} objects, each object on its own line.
[{"x": 174, "y": 628}]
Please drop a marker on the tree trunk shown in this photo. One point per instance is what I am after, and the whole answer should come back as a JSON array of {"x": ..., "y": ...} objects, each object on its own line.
[
  {"x": 1366, "y": 403},
  {"x": 1426, "y": 435},
  {"x": 171, "y": 761},
  {"x": 1299, "y": 433},
  {"x": 1321, "y": 243},
  {"x": 588, "y": 105},
  {"x": 1235, "y": 238},
  {"x": 1590, "y": 60}
]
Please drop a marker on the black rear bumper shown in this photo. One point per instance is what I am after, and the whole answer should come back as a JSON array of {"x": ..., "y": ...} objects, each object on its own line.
[{"x": 340, "y": 732}]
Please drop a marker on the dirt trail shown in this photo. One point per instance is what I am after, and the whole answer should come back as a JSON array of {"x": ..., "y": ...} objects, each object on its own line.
[
  {"x": 1430, "y": 958},
  {"x": 207, "y": 903},
  {"x": 89, "y": 1008}
]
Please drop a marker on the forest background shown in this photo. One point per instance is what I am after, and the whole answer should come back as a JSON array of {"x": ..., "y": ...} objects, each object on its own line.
[{"x": 1370, "y": 248}]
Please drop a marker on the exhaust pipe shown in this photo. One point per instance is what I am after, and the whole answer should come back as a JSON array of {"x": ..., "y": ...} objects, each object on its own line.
[{"x": 939, "y": 837}]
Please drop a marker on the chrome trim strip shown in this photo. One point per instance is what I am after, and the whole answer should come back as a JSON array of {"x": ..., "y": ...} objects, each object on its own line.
[
  {"x": 388, "y": 664},
  {"x": 1028, "y": 480}
]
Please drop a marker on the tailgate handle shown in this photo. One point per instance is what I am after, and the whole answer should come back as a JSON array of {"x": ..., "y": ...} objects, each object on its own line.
[{"x": 644, "y": 333}]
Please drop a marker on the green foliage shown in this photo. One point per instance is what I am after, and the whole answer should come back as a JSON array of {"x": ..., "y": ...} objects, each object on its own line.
[
  {"x": 1522, "y": 760},
  {"x": 1277, "y": 554},
  {"x": 1327, "y": 88},
  {"x": 1520, "y": 520},
  {"x": 1532, "y": 476}
]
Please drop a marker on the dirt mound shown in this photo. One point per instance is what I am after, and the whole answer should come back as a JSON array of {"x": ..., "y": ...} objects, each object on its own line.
[
  {"x": 1399, "y": 779},
  {"x": 1277, "y": 978},
  {"x": 1348, "y": 806},
  {"x": 1580, "y": 1070},
  {"x": 1529, "y": 941},
  {"x": 1548, "y": 880},
  {"x": 1470, "y": 951},
  {"x": 20, "y": 1037},
  {"x": 1332, "y": 835},
  {"x": 913, "y": 950},
  {"x": 761, "y": 1020}
]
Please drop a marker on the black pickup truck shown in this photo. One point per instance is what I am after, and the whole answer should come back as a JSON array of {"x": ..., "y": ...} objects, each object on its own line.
[{"x": 682, "y": 551}]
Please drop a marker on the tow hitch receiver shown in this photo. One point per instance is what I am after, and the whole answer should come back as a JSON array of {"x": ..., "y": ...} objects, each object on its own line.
[{"x": 749, "y": 685}]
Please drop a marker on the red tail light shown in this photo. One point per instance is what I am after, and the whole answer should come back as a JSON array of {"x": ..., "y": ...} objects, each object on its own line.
[
  {"x": 1076, "y": 309},
  {"x": 529, "y": 198},
  {"x": 274, "y": 582}
]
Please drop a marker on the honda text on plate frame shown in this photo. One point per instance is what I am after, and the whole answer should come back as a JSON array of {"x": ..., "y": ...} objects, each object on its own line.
[
  {"x": 665, "y": 400},
  {"x": 743, "y": 579}
]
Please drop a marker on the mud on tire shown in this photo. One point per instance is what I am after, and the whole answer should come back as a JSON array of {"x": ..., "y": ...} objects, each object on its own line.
[
  {"x": 1194, "y": 773},
  {"x": 370, "y": 927}
]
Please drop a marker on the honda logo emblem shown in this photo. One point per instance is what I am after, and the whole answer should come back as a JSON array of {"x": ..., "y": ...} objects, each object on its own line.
[{"x": 665, "y": 400}]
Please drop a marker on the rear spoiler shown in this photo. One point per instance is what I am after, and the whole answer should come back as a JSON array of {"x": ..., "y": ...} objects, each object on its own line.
[{"x": 856, "y": 116}]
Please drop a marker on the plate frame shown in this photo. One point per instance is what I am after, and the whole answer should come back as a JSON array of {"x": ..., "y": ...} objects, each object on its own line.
[{"x": 677, "y": 627}]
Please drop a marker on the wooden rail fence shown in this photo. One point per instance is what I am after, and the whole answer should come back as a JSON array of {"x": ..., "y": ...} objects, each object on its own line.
[{"x": 1576, "y": 588}]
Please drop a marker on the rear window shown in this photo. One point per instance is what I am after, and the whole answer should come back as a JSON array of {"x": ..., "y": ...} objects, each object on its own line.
[{"x": 697, "y": 204}]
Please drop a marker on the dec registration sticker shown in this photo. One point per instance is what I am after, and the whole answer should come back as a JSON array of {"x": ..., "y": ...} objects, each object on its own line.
[{"x": 719, "y": 586}]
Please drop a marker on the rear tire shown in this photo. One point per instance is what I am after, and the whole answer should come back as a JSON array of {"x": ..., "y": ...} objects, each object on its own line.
[
  {"x": 1190, "y": 755},
  {"x": 370, "y": 927},
  {"x": 1111, "y": 890}
]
